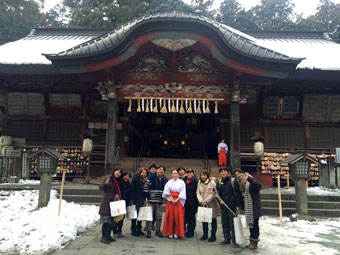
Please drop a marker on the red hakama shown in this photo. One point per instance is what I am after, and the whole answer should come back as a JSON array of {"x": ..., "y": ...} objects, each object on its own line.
[
  {"x": 222, "y": 157},
  {"x": 174, "y": 218}
]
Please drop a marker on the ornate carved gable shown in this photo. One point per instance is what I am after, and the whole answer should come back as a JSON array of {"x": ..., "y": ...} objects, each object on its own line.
[
  {"x": 196, "y": 63},
  {"x": 151, "y": 62},
  {"x": 174, "y": 45}
]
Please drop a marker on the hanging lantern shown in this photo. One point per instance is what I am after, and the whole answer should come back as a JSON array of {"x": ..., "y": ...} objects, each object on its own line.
[
  {"x": 189, "y": 109},
  {"x": 130, "y": 105},
  {"x": 195, "y": 107},
  {"x": 138, "y": 106},
  {"x": 173, "y": 108},
  {"x": 207, "y": 110},
  {"x": 177, "y": 105},
  {"x": 216, "y": 108},
  {"x": 147, "y": 106},
  {"x": 163, "y": 110},
  {"x": 258, "y": 149},
  {"x": 155, "y": 110},
  {"x": 181, "y": 110},
  {"x": 199, "y": 107},
  {"x": 169, "y": 105}
]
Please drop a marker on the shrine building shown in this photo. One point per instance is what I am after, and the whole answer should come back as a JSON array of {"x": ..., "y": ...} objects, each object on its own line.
[{"x": 171, "y": 84}]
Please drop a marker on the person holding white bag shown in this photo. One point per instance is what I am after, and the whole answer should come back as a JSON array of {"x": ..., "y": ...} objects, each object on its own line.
[
  {"x": 111, "y": 190},
  {"x": 137, "y": 198},
  {"x": 205, "y": 196},
  {"x": 250, "y": 189}
]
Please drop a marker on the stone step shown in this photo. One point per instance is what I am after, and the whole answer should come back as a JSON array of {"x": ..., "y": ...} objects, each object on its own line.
[
  {"x": 292, "y": 204},
  {"x": 291, "y": 197},
  {"x": 90, "y": 199},
  {"x": 311, "y": 212}
]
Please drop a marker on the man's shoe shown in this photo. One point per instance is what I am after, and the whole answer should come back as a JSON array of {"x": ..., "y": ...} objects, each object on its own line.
[
  {"x": 171, "y": 236},
  {"x": 159, "y": 234},
  {"x": 104, "y": 240},
  {"x": 189, "y": 235},
  {"x": 204, "y": 237},
  {"x": 148, "y": 235},
  {"x": 212, "y": 239},
  {"x": 235, "y": 245},
  {"x": 225, "y": 242},
  {"x": 111, "y": 239},
  {"x": 175, "y": 236},
  {"x": 140, "y": 232},
  {"x": 134, "y": 233}
]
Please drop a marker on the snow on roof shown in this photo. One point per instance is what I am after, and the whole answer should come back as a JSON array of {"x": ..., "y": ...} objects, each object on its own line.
[
  {"x": 318, "y": 53},
  {"x": 30, "y": 51}
]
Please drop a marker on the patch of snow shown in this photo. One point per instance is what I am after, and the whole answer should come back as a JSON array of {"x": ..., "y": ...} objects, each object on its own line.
[
  {"x": 318, "y": 54},
  {"x": 315, "y": 191},
  {"x": 300, "y": 237},
  {"x": 23, "y": 182},
  {"x": 30, "y": 51},
  {"x": 26, "y": 230}
]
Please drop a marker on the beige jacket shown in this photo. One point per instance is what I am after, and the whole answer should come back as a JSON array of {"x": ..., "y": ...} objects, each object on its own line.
[{"x": 205, "y": 193}]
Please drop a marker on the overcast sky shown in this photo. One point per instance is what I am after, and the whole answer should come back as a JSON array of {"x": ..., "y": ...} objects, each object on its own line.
[{"x": 307, "y": 7}]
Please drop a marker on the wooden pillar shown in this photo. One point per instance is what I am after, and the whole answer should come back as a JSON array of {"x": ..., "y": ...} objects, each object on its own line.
[
  {"x": 110, "y": 149},
  {"x": 307, "y": 135},
  {"x": 235, "y": 135}
]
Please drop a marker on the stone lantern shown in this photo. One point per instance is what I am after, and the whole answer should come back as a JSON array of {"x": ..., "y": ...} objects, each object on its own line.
[
  {"x": 47, "y": 166},
  {"x": 299, "y": 167}
]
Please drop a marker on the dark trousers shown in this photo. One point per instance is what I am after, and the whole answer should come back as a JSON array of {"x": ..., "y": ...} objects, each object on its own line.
[
  {"x": 117, "y": 226},
  {"x": 136, "y": 226},
  {"x": 228, "y": 225},
  {"x": 106, "y": 230},
  {"x": 255, "y": 231},
  {"x": 190, "y": 220},
  {"x": 213, "y": 227}
]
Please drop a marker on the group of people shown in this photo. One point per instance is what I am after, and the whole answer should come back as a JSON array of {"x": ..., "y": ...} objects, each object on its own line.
[{"x": 184, "y": 193}]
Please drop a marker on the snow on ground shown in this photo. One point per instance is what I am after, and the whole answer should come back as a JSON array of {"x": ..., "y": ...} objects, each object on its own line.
[
  {"x": 25, "y": 230},
  {"x": 23, "y": 182},
  {"x": 316, "y": 191},
  {"x": 300, "y": 237}
]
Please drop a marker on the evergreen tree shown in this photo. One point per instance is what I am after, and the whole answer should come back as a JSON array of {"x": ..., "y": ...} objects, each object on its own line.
[
  {"x": 233, "y": 14},
  {"x": 274, "y": 15},
  {"x": 17, "y": 18}
]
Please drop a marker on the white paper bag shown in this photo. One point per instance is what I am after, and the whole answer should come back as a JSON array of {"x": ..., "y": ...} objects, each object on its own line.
[
  {"x": 145, "y": 213},
  {"x": 131, "y": 212},
  {"x": 239, "y": 234},
  {"x": 204, "y": 214},
  {"x": 117, "y": 208}
]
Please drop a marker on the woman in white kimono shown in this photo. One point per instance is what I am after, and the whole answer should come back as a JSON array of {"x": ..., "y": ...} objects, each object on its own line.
[{"x": 174, "y": 192}]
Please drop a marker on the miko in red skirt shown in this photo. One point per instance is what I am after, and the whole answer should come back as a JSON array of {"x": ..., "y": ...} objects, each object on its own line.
[
  {"x": 222, "y": 150},
  {"x": 174, "y": 192}
]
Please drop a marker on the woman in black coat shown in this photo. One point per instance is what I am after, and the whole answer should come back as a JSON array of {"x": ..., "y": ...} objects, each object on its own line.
[
  {"x": 137, "y": 198},
  {"x": 191, "y": 203},
  {"x": 250, "y": 189},
  {"x": 111, "y": 193}
]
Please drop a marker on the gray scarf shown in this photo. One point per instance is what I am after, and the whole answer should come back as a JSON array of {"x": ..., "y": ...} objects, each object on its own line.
[{"x": 248, "y": 206}]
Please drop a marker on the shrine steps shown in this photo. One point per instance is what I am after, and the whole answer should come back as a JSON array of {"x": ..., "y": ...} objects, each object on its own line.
[{"x": 318, "y": 205}]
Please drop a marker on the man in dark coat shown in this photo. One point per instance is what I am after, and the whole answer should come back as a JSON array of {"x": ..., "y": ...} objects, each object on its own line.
[
  {"x": 230, "y": 202},
  {"x": 191, "y": 203},
  {"x": 250, "y": 189},
  {"x": 111, "y": 192}
]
